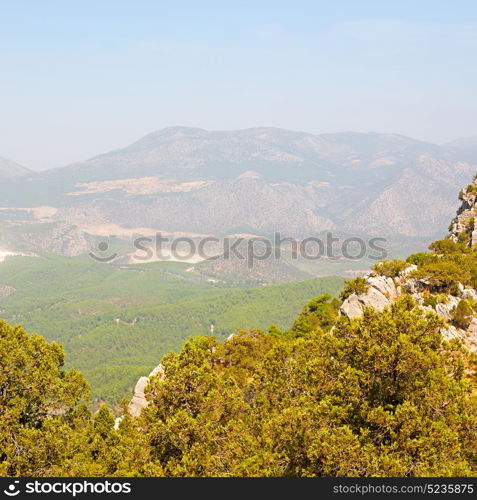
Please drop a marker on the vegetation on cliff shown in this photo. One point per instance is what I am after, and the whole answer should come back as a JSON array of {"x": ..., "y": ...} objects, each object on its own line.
[{"x": 379, "y": 395}]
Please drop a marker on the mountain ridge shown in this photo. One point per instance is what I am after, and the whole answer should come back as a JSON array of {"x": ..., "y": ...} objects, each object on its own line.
[
  {"x": 263, "y": 178},
  {"x": 10, "y": 169}
]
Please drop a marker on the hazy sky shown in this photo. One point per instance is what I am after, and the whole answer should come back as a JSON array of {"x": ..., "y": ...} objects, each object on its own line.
[{"x": 83, "y": 77}]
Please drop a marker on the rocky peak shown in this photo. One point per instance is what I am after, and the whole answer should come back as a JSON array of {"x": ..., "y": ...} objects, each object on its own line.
[
  {"x": 139, "y": 401},
  {"x": 463, "y": 228},
  {"x": 380, "y": 291}
]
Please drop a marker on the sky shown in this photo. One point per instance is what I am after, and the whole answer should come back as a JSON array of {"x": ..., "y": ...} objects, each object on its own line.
[{"x": 82, "y": 77}]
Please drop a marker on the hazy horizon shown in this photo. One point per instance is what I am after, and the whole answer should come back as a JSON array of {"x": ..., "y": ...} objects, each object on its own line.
[
  {"x": 84, "y": 78},
  {"x": 99, "y": 153}
]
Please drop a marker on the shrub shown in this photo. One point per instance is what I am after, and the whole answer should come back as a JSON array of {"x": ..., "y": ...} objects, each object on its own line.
[
  {"x": 463, "y": 237},
  {"x": 444, "y": 247},
  {"x": 358, "y": 286},
  {"x": 433, "y": 300},
  {"x": 381, "y": 396},
  {"x": 462, "y": 314},
  {"x": 421, "y": 258},
  {"x": 321, "y": 312},
  {"x": 390, "y": 268},
  {"x": 443, "y": 275}
]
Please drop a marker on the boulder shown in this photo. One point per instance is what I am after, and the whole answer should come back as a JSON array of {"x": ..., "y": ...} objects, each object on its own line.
[
  {"x": 469, "y": 294},
  {"x": 381, "y": 292},
  {"x": 139, "y": 401}
]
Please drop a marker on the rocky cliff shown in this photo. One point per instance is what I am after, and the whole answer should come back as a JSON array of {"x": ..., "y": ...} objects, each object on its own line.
[
  {"x": 382, "y": 290},
  {"x": 463, "y": 227},
  {"x": 139, "y": 401},
  {"x": 379, "y": 291}
]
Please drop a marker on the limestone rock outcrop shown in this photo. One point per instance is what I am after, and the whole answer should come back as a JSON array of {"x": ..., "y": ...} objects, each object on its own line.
[
  {"x": 381, "y": 290},
  {"x": 139, "y": 401},
  {"x": 463, "y": 227}
]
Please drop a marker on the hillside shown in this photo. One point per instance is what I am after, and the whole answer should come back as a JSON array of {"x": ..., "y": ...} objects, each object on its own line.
[
  {"x": 388, "y": 334},
  {"x": 9, "y": 169}
]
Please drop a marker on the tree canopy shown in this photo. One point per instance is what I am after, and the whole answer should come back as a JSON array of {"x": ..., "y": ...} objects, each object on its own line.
[{"x": 381, "y": 395}]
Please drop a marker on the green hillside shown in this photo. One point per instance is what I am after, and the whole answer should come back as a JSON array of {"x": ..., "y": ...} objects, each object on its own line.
[{"x": 116, "y": 323}]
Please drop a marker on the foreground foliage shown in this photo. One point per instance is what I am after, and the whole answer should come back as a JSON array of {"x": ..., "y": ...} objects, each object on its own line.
[
  {"x": 382, "y": 395},
  {"x": 446, "y": 266}
]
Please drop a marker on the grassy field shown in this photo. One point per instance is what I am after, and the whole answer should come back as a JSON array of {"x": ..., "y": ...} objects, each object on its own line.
[{"x": 116, "y": 323}]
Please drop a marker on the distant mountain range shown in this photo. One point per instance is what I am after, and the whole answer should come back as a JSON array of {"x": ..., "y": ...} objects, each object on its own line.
[
  {"x": 257, "y": 181},
  {"x": 466, "y": 147},
  {"x": 9, "y": 170}
]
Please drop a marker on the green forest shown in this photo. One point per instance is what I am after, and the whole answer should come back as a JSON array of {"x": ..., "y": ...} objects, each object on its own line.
[{"x": 116, "y": 323}]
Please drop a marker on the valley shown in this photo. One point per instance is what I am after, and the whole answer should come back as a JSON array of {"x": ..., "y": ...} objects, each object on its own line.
[{"x": 115, "y": 322}]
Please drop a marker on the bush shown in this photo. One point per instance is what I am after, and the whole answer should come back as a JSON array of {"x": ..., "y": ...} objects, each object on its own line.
[
  {"x": 445, "y": 247},
  {"x": 380, "y": 396},
  {"x": 390, "y": 268},
  {"x": 463, "y": 237},
  {"x": 358, "y": 286},
  {"x": 321, "y": 312},
  {"x": 433, "y": 300},
  {"x": 443, "y": 275},
  {"x": 462, "y": 314},
  {"x": 421, "y": 258},
  {"x": 39, "y": 400}
]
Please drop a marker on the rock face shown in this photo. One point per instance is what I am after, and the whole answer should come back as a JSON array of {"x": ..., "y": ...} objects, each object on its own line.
[
  {"x": 139, "y": 401},
  {"x": 463, "y": 227},
  {"x": 382, "y": 291}
]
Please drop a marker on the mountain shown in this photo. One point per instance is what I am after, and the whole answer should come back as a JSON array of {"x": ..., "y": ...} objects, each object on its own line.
[
  {"x": 191, "y": 154},
  {"x": 9, "y": 169},
  {"x": 258, "y": 181},
  {"x": 466, "y": 146}
]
